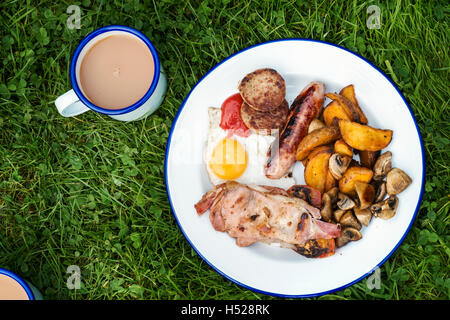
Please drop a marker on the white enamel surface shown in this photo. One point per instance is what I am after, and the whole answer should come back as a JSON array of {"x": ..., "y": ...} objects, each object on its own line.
[
  {"x": 69, "y": 105},
  {"x": 266, "y": 268}
]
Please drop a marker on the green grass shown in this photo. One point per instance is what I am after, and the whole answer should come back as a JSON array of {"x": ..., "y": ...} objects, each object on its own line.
[{"x": 89, "y": 191}]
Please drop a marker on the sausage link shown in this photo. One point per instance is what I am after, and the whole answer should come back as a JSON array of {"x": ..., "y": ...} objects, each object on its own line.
[{"x": 304, "y": 109}]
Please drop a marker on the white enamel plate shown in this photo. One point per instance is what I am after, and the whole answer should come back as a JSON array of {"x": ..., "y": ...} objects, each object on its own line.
[{"x": 268, "y": 269}]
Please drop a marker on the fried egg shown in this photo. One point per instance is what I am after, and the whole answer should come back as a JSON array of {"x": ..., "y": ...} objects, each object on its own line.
[{"x": 241, "y": 159}]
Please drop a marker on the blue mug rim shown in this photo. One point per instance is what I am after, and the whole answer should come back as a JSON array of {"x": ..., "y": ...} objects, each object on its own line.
[
  {"x": 20, "y": 281},
  {"x": 91, "y": 36}
]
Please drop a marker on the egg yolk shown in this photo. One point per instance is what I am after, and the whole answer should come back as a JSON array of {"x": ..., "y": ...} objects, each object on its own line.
[{"x": 228, "y": 160}]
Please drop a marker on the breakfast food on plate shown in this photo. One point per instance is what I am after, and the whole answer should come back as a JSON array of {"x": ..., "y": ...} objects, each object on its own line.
[
  {"x": 342, "y": 148},
  {"x": 263, "y": 89},
  {"x": 253, "y": 141},
  {"x": 361, "y": 185},
  {"x": 267, "y": 122},
  {"x": 317, "y": 174},
  {"x": 353, "y": 111},
  {"x": 363, "y": 137},
  {"x": 304, "y": 109},
  {"x": 351, "y": 176},
  {"x": 315, "y": 124},
  {"x": 307, "y": 193},
  {"x": 239, "y": 158},
  {"x": 333, "y": 112},
  {"x": 316, "y": 138},
  {"x": 349, "y": 93},
  {"x": 255, "y": 213}
]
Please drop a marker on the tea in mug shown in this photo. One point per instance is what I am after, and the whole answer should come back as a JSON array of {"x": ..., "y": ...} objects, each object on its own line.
[{"x": 117, "y": 71}]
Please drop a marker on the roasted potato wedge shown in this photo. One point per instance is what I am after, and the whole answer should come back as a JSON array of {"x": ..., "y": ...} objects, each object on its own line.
[
  {"x": 353, "y": 174},
  {"x": 349, "y": 93},
  {"x": 362, "y": 137},
  {"x": 342, "y": 148},
  {"x": 316, "y": 138},
  {"x": 316, "y": 151},
  {"x": 347, "y": 105},
  {"x": 316, "y": 171},
  {"x": 332, "y": 111}
]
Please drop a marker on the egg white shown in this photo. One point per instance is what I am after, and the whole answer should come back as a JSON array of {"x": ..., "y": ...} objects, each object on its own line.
[{"x": 256, "y": 147}]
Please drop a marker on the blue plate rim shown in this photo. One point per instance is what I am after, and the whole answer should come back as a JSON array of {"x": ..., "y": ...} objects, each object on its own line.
[{"x": 274, "y": 293}]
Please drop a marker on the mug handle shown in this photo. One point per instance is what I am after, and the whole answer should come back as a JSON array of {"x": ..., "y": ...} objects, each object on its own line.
[{"x": 69, "y": 105}]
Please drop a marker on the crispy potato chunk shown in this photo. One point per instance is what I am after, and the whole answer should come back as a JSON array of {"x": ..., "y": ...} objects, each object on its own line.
[
  {"x": 332, "y": 111},
  {"x": 363, "y": 137},
  {"x": 316, "y": 138},
  {"x": 341, "y": 147},
  {"x": 316, "y": 151},
  {"x": 349, "y": 93},
  {"x": 347, "y": 105},
  {"x": 316, "y": 171},
  {"x": 352, "y": 175}
]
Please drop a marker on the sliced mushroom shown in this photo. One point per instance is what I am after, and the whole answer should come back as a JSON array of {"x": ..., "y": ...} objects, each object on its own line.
[
  {"x": 363, "y": 215},
  {"x": 337, "y": 214},
  {"x": 366, "y": 194},
  {"x": 329, "y": 200},
  {"x": 348, "y": 234},
  {"x": 385, "y": 209},
  {"x": 368, "y": 158},
  {"x": 338, "y": 164},
  {"x": 380, "y": 191},
  {"x": 397, "y": 181},
  {"x": 349, "y": 220},
  {"x": 327, "y": 207},
  {"x": 344, "y": 202},
  {"x": 333, "y": 193},
  {"x": 382, "y": 166}
]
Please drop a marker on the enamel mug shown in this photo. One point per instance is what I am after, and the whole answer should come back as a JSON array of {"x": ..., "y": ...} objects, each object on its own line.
[
  {"x": 74, "y": 102},
  {"x": 13, "y": 287}
]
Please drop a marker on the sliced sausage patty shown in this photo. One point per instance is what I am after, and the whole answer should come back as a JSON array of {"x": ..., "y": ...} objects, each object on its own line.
[
  {"x": 260, "y": 122},
  {"x": 263, "y": 89}
]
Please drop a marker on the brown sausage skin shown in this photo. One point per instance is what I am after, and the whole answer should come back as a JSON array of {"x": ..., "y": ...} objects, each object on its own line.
[{"x": 304, "y": 109}]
